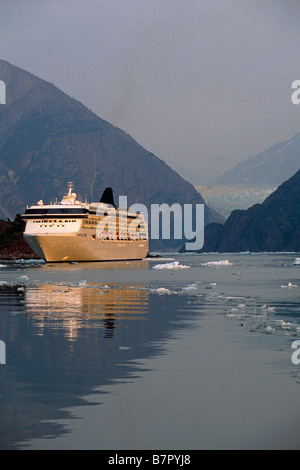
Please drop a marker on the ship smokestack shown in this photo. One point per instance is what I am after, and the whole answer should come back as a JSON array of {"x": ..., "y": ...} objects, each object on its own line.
[{"x": 108, "y": 197}]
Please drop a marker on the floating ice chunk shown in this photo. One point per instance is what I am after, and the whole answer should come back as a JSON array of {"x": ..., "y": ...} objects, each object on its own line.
[
  {"x": 160, "y": 259},
  {"x": 190, "y": 288},
  {"x": 268, "y": 308},
  {"x": 271, "y": 309},
  {"x": 288, "y": 326},
  {"x": 30, "y": 261},
  {"x": 161, "y": 291},
  {"x": 231, "y": 316},
  {"x": 289, "y": 286},
  {"x": 233, "y": 298},
  {"x": 269, "y": 330},
  {"x": 173, "y": 265},
  {"x": 3, "y": 265},
  {"x": 25, "y": 278},
  {"x": 225, "y": 262},
  {"x": 297, "y": 262}
]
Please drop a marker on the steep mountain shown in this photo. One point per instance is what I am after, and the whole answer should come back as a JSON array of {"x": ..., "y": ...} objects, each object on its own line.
[
  {"x": 48, "y": 139},
  {"x": 269, "y": 168},
  {"x": 271, "y": 226}
]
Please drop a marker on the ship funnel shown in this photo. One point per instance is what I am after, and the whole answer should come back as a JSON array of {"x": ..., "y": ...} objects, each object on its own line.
[{"x": 108, "y": 197}]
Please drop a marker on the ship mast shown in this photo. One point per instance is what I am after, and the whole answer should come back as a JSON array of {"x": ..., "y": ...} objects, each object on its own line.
[
  {"x": 70, "y": 197},
  {"x": 70, "y": 188}
]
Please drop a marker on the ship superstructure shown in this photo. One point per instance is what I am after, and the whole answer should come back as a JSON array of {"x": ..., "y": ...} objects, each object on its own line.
[{"x": 71, "y": 230}]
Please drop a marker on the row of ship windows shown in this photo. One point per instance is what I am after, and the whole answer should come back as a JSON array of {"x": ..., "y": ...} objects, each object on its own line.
[
  {"x": 51, "y": 221},
  {"x": 92, "y": 222},
  {"x": 120, "y": 223}
]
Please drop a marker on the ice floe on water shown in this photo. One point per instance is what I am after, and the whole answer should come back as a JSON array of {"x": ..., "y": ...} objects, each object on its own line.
[
  {"x": 224, "y": 262},
  {"x": 192, "y": 288},
  {"x": 22, "y": 278},
  {"x": 267, "y": 308},
  {"x": 173, "y": 265},
  {"x": 189, "y": 290},
  {"x": 30, "y": 261},
  {"x": 268, "y": 330},
  {"x": 161, "y": 291},
  {"x": 259, "y": 318},
  {"x": 248, "y": 312},
  {"x": 160, "y": 258},
  {"x": 289, "y": 286}
]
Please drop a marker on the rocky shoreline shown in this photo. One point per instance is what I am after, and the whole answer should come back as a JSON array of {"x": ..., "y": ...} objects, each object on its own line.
[{"x": 12, "y": 244}]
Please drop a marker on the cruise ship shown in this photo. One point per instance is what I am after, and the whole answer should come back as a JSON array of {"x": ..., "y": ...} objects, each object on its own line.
[{"x": 73, "y": 231}]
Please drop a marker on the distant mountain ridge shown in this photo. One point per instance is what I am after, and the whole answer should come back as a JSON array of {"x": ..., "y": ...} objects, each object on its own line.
[
  {"x": 269, "y": 168},
  {"x": 48, "y": 139},
  {"x": 272, "y": 226}
]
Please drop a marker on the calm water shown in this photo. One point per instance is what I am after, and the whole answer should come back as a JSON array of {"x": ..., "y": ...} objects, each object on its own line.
[{"x": 127, "y": 356}]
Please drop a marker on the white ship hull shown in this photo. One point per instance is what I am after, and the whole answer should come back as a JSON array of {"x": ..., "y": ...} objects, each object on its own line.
[{"x": 72, "y": 247}]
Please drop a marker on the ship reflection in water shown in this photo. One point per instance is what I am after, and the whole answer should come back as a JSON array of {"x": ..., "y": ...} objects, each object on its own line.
[{"x": 74, "y": 308}]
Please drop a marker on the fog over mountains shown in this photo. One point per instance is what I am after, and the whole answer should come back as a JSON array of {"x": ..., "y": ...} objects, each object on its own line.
[
  {"x": 269, "y": 168},
  {"x": 48, "y": 138}
]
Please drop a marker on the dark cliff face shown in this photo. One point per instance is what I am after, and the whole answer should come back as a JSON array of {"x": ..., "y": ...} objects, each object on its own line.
[
  {"x": 271, "y": 226},
  {"x": 48, "y": 139}
]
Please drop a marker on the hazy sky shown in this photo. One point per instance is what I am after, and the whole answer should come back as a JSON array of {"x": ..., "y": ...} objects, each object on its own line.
[{"x": 203, "y": 83}]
